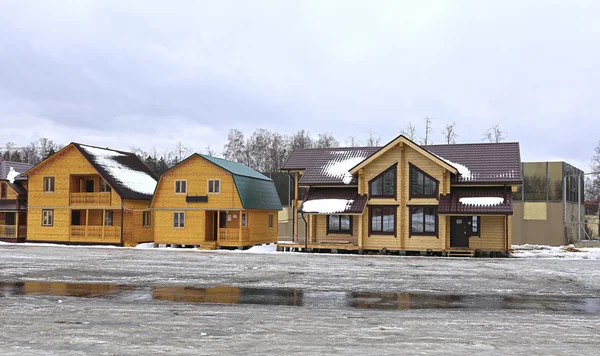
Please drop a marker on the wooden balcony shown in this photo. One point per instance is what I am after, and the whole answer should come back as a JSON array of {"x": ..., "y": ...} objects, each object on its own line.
[
  {"x": 100, "y": 234},
  {"x": 12, "y": 232},
  {"x": 231, "y": 236},
  {"x": 90, "y": 199}
]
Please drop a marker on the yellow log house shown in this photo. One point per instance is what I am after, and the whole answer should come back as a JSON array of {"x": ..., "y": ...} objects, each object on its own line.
[
  {"x": 440, "y": 199},
  {"x": 13, "y": 201},
  {"x": 90, "y": 195},
  {"x": 210, "y": 202}
]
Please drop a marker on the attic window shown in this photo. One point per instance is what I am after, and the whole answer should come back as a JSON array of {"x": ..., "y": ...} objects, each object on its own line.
[
  {"x": 422, "y": 185},
  {"x": 181, "y": 186},
  {"x": 48, "y": 184},
  {"x": 104, "y": 187},
  {"x": 384, "y": 184},
  {"x": 214, "y": 186}
]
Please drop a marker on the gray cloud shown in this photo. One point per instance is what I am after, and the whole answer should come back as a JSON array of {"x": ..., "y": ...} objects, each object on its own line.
[{"x": 150, "y": 73}]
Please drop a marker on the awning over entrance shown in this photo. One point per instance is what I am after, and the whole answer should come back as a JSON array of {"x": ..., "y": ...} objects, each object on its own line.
[
  {"x": 333, "y": 201},
  {"x": 476, "y": 201}
]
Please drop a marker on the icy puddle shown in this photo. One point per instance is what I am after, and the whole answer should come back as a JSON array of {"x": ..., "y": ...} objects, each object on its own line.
[{"x": 303, "y": 298}]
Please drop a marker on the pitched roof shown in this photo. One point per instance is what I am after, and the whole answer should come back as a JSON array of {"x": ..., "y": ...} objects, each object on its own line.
[
  {"x": 123, "y": 171},
  {"x": 486, "y": 162},
  {"x": 333, "y": 201},
  {"x": 476, "y": 201},
  {"x": 256, "y": 193},
  {"x": 18, "y": 188},
  {"x": 12, "y": 204},
  {"x": 327, "y": 165},
  {"x": 5, "y": 167},
  {"x": 235, "y": 167}
]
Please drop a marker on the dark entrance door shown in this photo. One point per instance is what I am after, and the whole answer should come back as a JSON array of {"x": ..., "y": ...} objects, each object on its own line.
[
  {"x": 75, "y": 217},
  {"x": 458, "y": 231},
  {"x": 89, "y": 186}
]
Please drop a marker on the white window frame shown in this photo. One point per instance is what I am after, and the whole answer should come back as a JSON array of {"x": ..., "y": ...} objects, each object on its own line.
[
  {"x": 213, "y": 182},
  {"x": 48, "y": 217},
  {"x": 146, "y": 222},
  {"x": 179, "y": 215},
  {"x": 181, "y": 191},
  {"x": 47, "y": 181}
]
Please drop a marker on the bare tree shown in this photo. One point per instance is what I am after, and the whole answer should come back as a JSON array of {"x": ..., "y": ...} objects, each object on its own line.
[
  {"x": 235, "y": 148},
  {"x": 301, "y": 139},
  {"x": 180, "y": 151},
  {"x": 426, "y": 140},
  {"x": 494, "y": 134},
  {"x": 449, "y": 133},
  {"x": 326, "y": 140},
  {"x": 592, "y": 184},
  {"x": 210, "y": 152},
  {"x": 352, "y": 142},
  {"x": 373, "y": 139},
  {"x": 409, "y": 132}
]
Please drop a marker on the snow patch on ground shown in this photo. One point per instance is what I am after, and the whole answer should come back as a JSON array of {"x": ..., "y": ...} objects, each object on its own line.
[
  {"x": 12, "y": 174},
  {"x": 136, "y": 181},
  {"x": 482, "y": 201},
  {"x": 271, "y": 248},
  {"x": 567, "y": 252},
  {"x": 326, "y": 206}
]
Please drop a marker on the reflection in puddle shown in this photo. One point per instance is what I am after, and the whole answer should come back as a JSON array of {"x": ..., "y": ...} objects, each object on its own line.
[{"x": 304, "y": 298}]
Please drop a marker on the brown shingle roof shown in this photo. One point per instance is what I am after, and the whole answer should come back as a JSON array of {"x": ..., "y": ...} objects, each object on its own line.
[
  {"x": 357, "y": 206},
  {"x": 450, "y": 203},
  {"x": 321, "y": 165},
  {"x": 488, "y": 162}
]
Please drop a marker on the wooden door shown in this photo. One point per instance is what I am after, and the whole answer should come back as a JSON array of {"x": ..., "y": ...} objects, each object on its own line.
[
  {"x": 89, "y": 186},
  {"x": 458, "y": 231}
]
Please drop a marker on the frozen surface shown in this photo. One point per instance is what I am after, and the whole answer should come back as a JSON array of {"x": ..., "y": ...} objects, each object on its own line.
[
  {"x": 137, "y": 181},
  {"x": 482, "y": 201},
  {"x": 326, "y": 206},
  {"x": 59, "y": 325},
  {"x": 566, "y": 252}
]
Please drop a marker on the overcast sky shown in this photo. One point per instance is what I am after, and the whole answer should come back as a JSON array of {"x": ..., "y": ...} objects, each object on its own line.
[{"x": 150, "y": 73}]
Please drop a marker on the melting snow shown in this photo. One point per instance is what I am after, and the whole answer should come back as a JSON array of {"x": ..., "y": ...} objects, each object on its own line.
[
  {"x": 464, "y": 172},
  {"x": 339, "y": 169},
  {"x": 136, "y": 181},
  {"x": 12, "y": 174},
  {"x": 326, "y": 206},
  {"x": 566, "y": 252},
  {"x": 482, "y": 201}
]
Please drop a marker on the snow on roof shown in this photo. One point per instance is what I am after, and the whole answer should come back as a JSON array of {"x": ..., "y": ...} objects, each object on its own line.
[
  {"x": 326, "y": 206},
  {"x": 482, "y": 201},
  {"x": 464, "y": 172},
  {"x": 12, "y": 174},
  {"x": 339, "y": 169},
  {"x": 137, "y": 181}
]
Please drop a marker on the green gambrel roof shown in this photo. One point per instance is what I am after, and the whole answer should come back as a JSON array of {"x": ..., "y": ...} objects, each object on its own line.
[
  {"x": 256, "y": 191},
  {"x": 235, "y": 167}
]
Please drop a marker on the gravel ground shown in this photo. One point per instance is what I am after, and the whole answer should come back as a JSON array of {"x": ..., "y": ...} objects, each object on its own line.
[{"x": 54, "y": 324}]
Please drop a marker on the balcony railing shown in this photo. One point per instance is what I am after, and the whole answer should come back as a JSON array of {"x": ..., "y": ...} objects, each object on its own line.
[
  {"x": 100, "y": 198},
  {"x": 232, "y": 234},
  {"x": 11, "y": 231},
  {"x": 96, "y": 233}
]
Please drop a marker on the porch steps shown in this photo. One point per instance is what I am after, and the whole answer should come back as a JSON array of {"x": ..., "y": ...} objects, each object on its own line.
[
  {"x": 461, "y": 253},
  {"x": 207, "y": 246}
]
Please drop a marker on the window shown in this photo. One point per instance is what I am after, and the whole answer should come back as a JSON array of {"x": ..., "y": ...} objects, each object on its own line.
[
  {"x": 475, "y": 225},
  {"x": 422, "y": 185},
  {"x": 146, "y": 216},
  {"x": 3, "y": 191},
  {"x": 104, "y": 187},
  {"x": 384, "y": 185},
  {"x": 47, "y": 217},
  {"x": 382, "y": 220},
  {"x": 108, "y": 218},
  {"x": 244, "y": 220},
  {"x": 423, "y": 220},
  {"x": 339, "y": 224},
  {"x": 181, "y": 186},
  {"x": 271, "y": 218},
  {"x": 214, "y": 186},
  {"x": 179, "y": 220},
  {"x": 48, "y": 184}
]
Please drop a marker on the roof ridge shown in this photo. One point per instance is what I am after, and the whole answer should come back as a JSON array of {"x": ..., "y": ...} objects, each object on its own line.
[
  {"x": 104, "y": 148},
  {"x": 470, "y": 144}
]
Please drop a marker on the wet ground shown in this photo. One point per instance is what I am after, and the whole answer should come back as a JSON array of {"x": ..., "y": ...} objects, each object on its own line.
[{"x": 64, "y": 300}]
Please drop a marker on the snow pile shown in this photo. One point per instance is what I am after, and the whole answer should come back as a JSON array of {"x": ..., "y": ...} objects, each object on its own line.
[
  {"x": 136, "y": 181},
  {"x": 465, "y": 173},
  {"x": 339, "y": 169},
  {"x": 12, "y": 174},
  {"x": 271, "y": 248},
  {"x": 326, "y": 206},
  {"x": 482, "y": 201},
  {"x": 567, "y": 252}
]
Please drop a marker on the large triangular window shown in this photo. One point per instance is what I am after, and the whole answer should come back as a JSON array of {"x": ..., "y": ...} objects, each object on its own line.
[
  {"x": 422, "y": 185},
  {"x": 384, "y": 185}
]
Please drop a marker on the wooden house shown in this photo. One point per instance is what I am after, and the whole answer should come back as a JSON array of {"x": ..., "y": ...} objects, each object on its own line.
[
  {"x": 90, "y": 195},
  {"x": 448, "y": 199},
  {"x": 13, "y": 201},
  {"x": 211, "y": 202}
]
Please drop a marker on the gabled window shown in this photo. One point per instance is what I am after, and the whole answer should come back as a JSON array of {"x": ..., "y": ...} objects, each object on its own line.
[
  {"x": 339, "y": 224},
  {"x": 48, "y": 184},
  {"x": 422, "y": 185},
  {"x": 146, "y": 216},
  {"x": 214, "y": 186},
  {"x": 384, "y": 185},
  {"x": 104, "y": 187},
  {"x": 47, "y": 217},
  {"x": 181, "y": 186},
  {"x": 423, "y": 220},
  {"x": 108, "y": 218},
  {"x": 3, "y": 190},
  {"x": 382, "y": 220},
  {"x": 179, "y": 220}
]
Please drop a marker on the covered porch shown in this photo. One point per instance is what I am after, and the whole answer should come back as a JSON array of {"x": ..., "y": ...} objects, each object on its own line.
[
  {"x": 95, "y": 226},
  {"x": 227, "y": 228},
  {"x": 13, "y": 221}
]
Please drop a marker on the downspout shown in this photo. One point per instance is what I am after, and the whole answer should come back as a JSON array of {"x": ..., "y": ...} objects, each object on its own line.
[
  {"x": 506, "y": 226},
  {"x": 306, "y": 230},
  {"x": 122, "y": 218},
  {"x": 294, "y": 214}
]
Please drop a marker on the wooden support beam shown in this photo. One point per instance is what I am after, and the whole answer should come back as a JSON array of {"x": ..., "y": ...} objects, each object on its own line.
[
  {"x": 218, "y": 224},
  {"x": 402, "y": 218},
  {"x": 240, "y": 218},
  {"x": 17, "y": 223},
  {"x": 295, "y": 207},
  {"x": 87, "y": 219},
  {"x": 360, "y": 231},
  {"x": 104, "y": 221}
]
